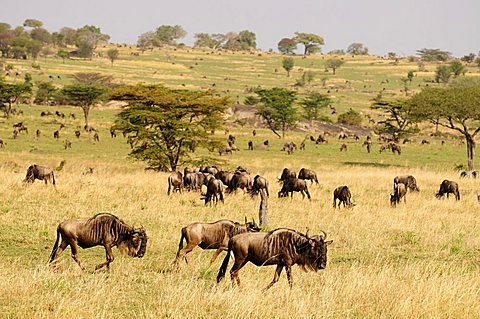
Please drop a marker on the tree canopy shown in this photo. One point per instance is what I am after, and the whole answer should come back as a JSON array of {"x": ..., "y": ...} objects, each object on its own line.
[
  {"x": 276, "y": 109},
  {"x": 312, "y": 42},
  {"x": 287, "y": 45},
  {"x": 166, "y": 125},
  {"x": 334, "y": 64},
  {"x": 455, "y": 107},
  {"x": 399, "y": 121},
  {"x": 357, "y": 49},
  {"x": 434, "y": 54},
  {"x": 313, "y": 103},
  {"x": 83, "y": 95},
  {"x": 287, "y": 64}
]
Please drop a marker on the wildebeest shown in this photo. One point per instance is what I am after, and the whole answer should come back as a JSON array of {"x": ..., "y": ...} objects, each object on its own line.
[
  {"x": 259, "y": 183},
  {"x": 399, "y": 192},
  {"x": 38, "y": 133},
  {"x": 343, "y": 147},
  {"x": 113, "y": 134},
  {"x": 425, "y": 142},
  {"x": 286, "y": 174},
  {"x": 1, "y": 143},
  {"x": 289, "y": 147},
  {"x": 294, "y": 185},
  {"x": 214, "y": 191},
  {"x": 282, "y": 247},
  {"x": 225, "y": 177},
  {"x": 189, "y": 181},
  {"x": 343, "y": 194},
  {"x": 211, "y": 236},
  {"x": 448, "y": 187},
  {"x": 104, "y": 230},
  {"x": 395, "y": 148},
  {"x": 266, "y": 143},
  {"x": 96, "y": 138},
  {"x": 250, "y": 145},
  {"x": 408, "y": 180},
  {"x": 77, "y": 133},
  {"x": 308, "y": 174},
  {"x": 67, "y": 144},
  {"x": 175, "y": 182},
  {"x": 254, "y": 133},
  {"x": 56, "y": 135},
  {"x": 240, "y": 180},
  {"x": 41, "y": 173}
]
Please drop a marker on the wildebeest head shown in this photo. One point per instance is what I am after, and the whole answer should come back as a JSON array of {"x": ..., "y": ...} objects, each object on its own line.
[
  {"x": 30, "y": 176},
  {"x": 252, "y": 226},
  {"x": 314, "y": 251},
  {"x": 135, "y": 243}
]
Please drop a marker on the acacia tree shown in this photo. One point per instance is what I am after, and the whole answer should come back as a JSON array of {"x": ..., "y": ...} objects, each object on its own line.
[
  {"x": 398, "y": 121},
  {"x": 311, "y": 42},
  {"x": 112, "y": 54},
  {"x": 333, "y": 64},
  {"x": 10, "y": 93},
  {"x": 287, "y": 45},
  {"x": 313, "y": 104},
  {"x": 276, "y": 109},
  {"x": 83, "y": 95},
  {"x": 357, "y": 49},
  {"x": 456, "y": 107},
  {"x": 162, "y": 123}
]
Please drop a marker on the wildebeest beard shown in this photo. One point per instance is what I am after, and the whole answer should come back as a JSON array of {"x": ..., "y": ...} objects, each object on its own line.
[{"x": 129, "y": 244}]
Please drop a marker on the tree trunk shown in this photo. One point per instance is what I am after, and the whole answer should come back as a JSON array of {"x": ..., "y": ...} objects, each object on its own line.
[
  {"x": 470, "y": 151},
  {"x": 86, "y": 109},
  {"x": 262, "y": 212},
  {"x": 283, "y": 131},
  {"x": 334, "y": 69}
]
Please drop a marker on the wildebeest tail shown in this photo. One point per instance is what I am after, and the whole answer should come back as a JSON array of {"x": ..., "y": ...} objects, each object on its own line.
[
  {"x": 55, "y": 247},
  {"x": 53, "y": 178},
  {"x": 180, "y": 244},
  {"x": 221, "y": 196},
  {"x": 223, "y": 268}
]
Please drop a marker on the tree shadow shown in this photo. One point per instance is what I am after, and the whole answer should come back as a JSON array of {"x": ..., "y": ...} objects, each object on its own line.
[{"x": 369, "y": 164}]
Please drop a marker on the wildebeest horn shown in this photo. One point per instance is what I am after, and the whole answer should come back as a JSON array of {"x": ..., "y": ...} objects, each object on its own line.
[
  {"x": 245, "y": 220},
  {"x": 324, "y": 235},
  {"x": 306, "y": 234}
]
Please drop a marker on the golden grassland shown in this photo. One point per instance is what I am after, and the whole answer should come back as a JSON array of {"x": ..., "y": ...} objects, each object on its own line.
[{"x": 420, "y": 260}]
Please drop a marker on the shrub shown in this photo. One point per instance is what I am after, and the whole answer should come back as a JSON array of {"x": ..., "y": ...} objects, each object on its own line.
[{"x": 351, "y": 117}]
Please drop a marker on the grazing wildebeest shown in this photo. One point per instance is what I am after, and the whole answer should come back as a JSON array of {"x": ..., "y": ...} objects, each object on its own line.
[
  {"x": 399, "y": 192},
  {"x": 211, "y": 236},
  {"x": 211, "y": 170},
  {"x": 343, "y": 194},
  {"x": 321, "y": 139},
  {"x": 383, "y": 147},
  {"x": 41, "y": 173},
  {"x": 289, "y": 147},
  {"x": 77, "y": 133},
  {"x": 38, "y": 133},
  {"x": 100, "y": 230},
  {"x": 286, "y": 174},
  {"x": 282, "y": 247},
  {"x": 175, "y": 182},
  {"x": 408, "y": 180},
  {"x": 189, "y": 181},
  {"x": 23, "y": 129},
  {"x": 448, "y": 187},
  {"x": 342, "y": 136},
  {"x": 368, "y": 144},
  {"x": 266, "y": 143},
  {"x": 241, "y": 169},
  {"x": 15, "y": 134},
  {"x": 294, "y": 185},
  {"x": 96, "y": 138},
  {"x": 309, "y": 174},
  {"x": 240, "y": 180},
  {"x": 343, "y": 147},
  {"x": 56, "y": 135},
  {"x": 18, "y": 125},
  {"x": 1, "y": 143},
  {"x": 67, "y": 144},
  {"x": 259, "y": 183},
  {"x": 113, "y": 134},
  {"x": 250, "y": 145},
  {"x": 231, "y": 139},
  {"x": 254, "y": 133},
  {"x": 214, "y": 191},
  {"x": 395, "y": 148},
  {"x": 425, "y": 142}
]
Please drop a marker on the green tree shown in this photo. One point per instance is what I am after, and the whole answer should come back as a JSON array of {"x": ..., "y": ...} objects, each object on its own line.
[
  {"x": 46, "y": 93},
  {"x": 468, "y": 58},
  {"x": 168, "y": 34},
  {"x": 63, "y": 54},
  {"x": 442, "y": 74},
  {"x": 399, "y": 121},
  {"x": 350, "y": 117},
  {"x": 357, "y": 49},
  {"x": 245, "y": 40},
  {"x": 457, "y": 68},
  {"x": 33, "y": 23},
  {"x": 84, "y": 96},
  {"x": 42, "y": 35},
  {"x": 276, "y": 109},
  {"x": 313, "y": 103},
  {"x": 456, "y": 107},
  {"x": 93, "y": 78},
  {"x": 333, "y": 64},
  {"x": 287, "y": 64},
  {"x": 410, "y": 76},
  {"x": 87, "y": 38},
  {"x": 311, "y": 42},
  {"x": 287, "y": 45},
  {"x": 147, "y": 41},
  {"x": 162, "y": 123},
  {"x": 11, "y": 93},
  {"x": 33, "y": 48},
  {"x": 434, "y": 55},
  {"x": 112, "y": 54},
  {"x": 213, "y": 41}
]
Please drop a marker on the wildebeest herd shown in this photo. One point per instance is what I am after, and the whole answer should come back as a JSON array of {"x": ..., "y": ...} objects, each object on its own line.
[{"x": 282, "y": 247}]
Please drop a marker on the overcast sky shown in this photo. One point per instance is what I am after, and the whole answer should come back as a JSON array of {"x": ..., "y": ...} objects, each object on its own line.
[{"x": 382, "y": 25}]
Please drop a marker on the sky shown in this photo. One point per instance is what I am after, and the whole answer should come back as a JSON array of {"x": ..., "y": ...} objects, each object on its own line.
[{"x": 402, "y": 26}]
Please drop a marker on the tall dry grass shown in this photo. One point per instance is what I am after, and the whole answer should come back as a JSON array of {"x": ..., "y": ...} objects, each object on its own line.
[{"x": 420, "y": 260}]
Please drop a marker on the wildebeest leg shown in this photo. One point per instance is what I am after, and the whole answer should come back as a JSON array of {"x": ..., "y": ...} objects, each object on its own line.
[
  {"x": 217, "y": 252},
  {"x": 334, "y": 203},
  {"x": 278, "y": 271},
  {"x": 60, "y": 249},
  {"x": 74, "y": 248},
  {"x": 308, "y": 194},
  {"x": 183, "y": 253},
  {"x": 109, "y": 255},
  {"x": 169, "y": 188},
  {"x": 239, "y": 263},
  {"x": 289, "y": 276},
  {"x": 303, "y": 194}
]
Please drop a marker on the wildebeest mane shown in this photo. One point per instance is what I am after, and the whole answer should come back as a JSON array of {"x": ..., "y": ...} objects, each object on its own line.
[{"x": 103, "y": 222}]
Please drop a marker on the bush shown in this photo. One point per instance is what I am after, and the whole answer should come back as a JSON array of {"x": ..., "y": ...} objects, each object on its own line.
[{"x": 351, "y": 117}]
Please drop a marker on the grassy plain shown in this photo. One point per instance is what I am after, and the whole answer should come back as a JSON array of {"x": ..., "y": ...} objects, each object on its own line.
[{"x": 420, "y": 260}]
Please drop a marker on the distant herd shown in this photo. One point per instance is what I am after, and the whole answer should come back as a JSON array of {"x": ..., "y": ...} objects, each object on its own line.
[{"x": 282, "y": 247}]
